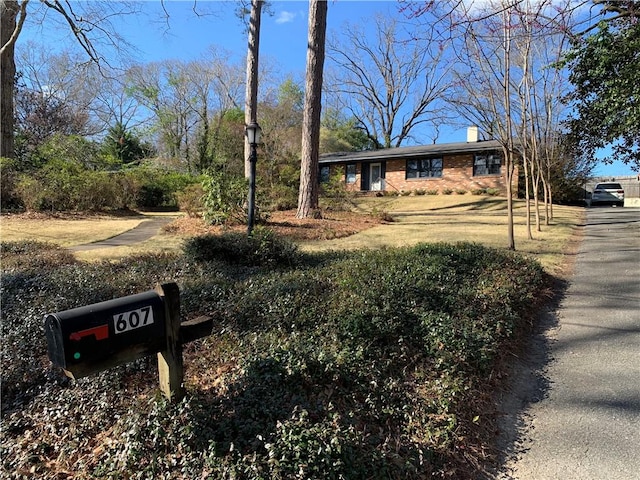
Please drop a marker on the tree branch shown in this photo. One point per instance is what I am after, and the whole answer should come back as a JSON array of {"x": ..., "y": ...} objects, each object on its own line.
[{"x": 16, "y": 32}]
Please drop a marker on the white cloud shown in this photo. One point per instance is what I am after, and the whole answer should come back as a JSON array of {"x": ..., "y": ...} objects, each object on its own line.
[{"x": 285, "y": 17}]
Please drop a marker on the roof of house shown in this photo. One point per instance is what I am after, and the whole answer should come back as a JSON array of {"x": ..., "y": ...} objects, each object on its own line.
[{"x": 409, "y": 152}]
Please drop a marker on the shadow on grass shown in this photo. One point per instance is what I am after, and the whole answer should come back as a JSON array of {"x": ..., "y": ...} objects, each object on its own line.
[{"x": 491, "y": 203}]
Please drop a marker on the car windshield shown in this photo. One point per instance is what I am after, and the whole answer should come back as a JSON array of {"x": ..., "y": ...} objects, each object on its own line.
[{"x": 609, "y": 186}]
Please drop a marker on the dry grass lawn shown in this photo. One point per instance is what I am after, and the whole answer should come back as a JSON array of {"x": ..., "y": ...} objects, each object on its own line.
[
  {"x": 414, "y": 219},
  {"x": 455, "y": 218},
  {"x": 64, "y": 230}
]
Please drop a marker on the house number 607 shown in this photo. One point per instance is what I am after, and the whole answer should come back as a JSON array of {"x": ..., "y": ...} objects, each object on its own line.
[{"x": 123, "y": 322}]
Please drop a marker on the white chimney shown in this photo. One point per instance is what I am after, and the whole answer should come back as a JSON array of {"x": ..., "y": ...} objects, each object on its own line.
[{"x": 472, "y": 134}]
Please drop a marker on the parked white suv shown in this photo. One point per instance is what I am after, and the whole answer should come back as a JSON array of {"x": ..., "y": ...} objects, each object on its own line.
[{"x": 608, "y": 192}]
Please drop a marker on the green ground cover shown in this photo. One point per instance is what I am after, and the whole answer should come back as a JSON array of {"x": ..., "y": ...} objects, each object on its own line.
[{"x": 358, "y": 365}]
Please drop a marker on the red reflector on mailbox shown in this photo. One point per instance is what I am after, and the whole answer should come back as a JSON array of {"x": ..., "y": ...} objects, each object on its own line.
[{"x": 93, "y": 338}]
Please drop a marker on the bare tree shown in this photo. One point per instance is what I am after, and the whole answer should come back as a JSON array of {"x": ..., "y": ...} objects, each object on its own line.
[
  {"x": 281, "y": 120},
  {"x": 217, "y": 83},
  {"x": 188, "y": 103},
  {"x": 163, "y": 88},
  {"x": 483, "y": 93},
  {"x": 541, "y": 31},
  {"x": 90, "y": 23},
  {"x": 552, "y": 87},
  {"x": 65, "y": 77},
  {"x": 308, "y": 194},
  {"x": 393, "y": 86},
  {"x": 499, "y": 64}
]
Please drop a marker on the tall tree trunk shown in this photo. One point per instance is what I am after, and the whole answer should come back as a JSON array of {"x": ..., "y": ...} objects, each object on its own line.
[
  {"x": 203, "y": 140},
  {"x": 509, "y": 157},
  {"x": 527, "y": 116},
  {"x": 308, "y": 195},
  {"x": 8, "y": 15},
  {"x": 251, "y": 95}
]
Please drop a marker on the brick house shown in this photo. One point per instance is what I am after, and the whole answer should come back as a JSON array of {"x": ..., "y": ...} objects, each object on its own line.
[{"x": 467, "y": 166}]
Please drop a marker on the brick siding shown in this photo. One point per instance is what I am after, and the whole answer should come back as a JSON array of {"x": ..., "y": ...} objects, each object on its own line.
[{"x": 457, "y": 174}]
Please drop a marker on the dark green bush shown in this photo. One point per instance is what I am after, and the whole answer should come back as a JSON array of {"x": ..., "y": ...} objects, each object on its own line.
[
  {"x": 224, "y": 198},
  {"x": 262, "y": 248},
  {"x": 158, "y": 188},
  {"x": 31, "y": 254}
]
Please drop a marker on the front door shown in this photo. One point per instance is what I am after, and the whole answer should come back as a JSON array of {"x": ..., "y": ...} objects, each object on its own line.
[{"x": 375, "y": 174}]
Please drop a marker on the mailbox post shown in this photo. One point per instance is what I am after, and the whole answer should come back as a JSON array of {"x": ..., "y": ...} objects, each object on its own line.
[
  {"x": 86, "y": 340},
  {"x": 170, "y": 366}
]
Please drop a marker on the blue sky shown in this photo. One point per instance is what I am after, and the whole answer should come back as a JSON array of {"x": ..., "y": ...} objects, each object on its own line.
[
  {"x": 283, "y": 32},
  {"x": 186, "y": 35}
]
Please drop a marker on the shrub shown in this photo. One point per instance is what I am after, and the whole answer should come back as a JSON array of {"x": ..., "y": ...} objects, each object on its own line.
[
  {"x": 190, "y": 200},
  {"x": 383, "y": 215},
  {"x": 461, "y": 191},
  {"x": 420, "y": 191},
  {"x": 335, "y": 194},
  {"x": 283, "y": 197},
  {"x": 9, "y": 197},
  {"x": 262, "y": 248},
  {"x": 101, "y": 191},
  {"x": 447, "y": 191},
  {"x": 494, "y": 192},
  {"x": 157, "y": 188},
  {"x": 31, "y": 192},
  {"x": 432, "y": 192},
  {"x": 224, "y": 198},
  {"x": 72, "y": 187},
  {"x": 478, "y": 191}
]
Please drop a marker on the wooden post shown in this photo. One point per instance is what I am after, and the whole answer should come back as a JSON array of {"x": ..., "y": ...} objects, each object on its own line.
[{"x": 170, "y": 366}]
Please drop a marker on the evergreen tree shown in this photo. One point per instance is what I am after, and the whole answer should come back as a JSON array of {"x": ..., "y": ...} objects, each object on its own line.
[
  {"x": 123, "y": 145},
  {"x": 604, "y": 71}
]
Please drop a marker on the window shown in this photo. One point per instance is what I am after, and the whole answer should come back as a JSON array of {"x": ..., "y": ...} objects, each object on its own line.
[
  {"x": 427, "y": 168},
  {"x": 350, "y": 173},
  {"x": 486, "y": 164},
  {"x": 325, "y": 172}
]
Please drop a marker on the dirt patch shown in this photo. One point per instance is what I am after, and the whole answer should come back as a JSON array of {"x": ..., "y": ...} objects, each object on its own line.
[{"x": 331, "y": 225}]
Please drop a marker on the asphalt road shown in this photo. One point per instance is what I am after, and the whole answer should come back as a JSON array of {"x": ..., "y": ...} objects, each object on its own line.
[{"x": 586, "y": 422}]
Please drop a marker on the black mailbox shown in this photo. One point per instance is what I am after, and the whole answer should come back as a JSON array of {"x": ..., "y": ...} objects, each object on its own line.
[{"x": 89, "y": 339}]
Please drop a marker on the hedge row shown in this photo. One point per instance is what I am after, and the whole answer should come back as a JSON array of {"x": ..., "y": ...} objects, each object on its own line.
[
  {"x": 371, "y": 364},
  {"x": 65, "y": 186}
]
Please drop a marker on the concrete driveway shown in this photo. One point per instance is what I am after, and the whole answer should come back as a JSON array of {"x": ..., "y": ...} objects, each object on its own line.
[
  {"x": 144, "y": 231},
  {"x": 582, "y": 415}
]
